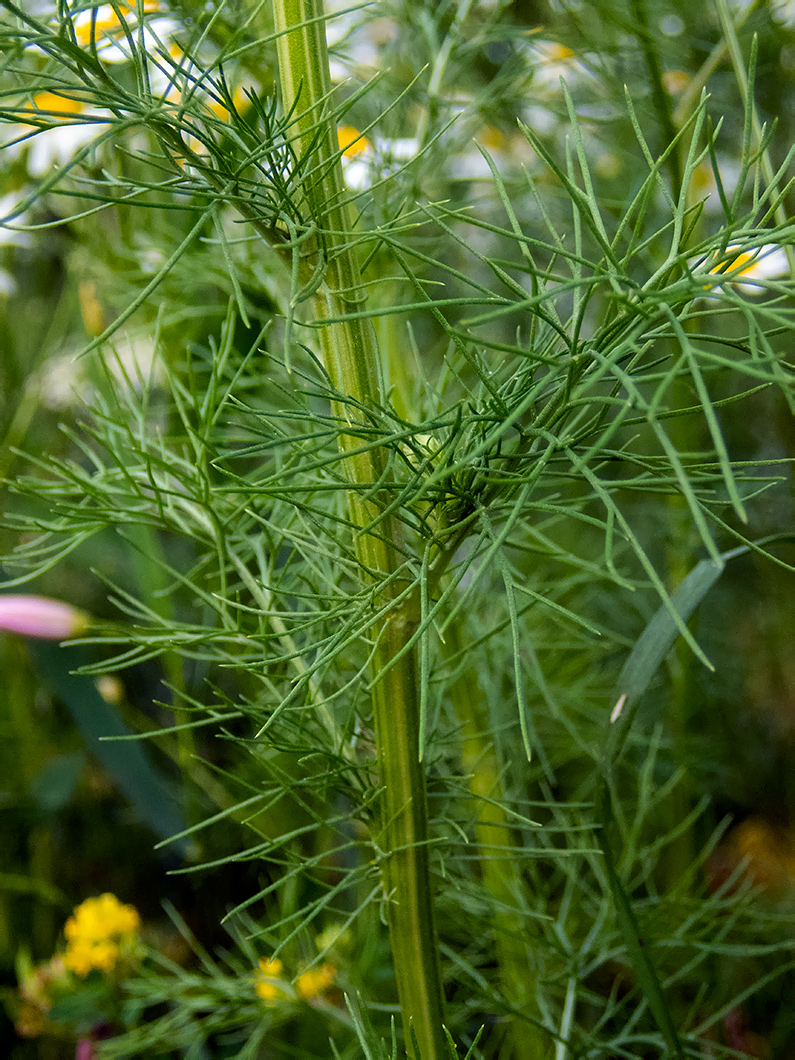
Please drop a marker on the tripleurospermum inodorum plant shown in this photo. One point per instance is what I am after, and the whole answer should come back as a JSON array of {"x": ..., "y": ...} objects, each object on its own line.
[{"x": 412, "y": 399}]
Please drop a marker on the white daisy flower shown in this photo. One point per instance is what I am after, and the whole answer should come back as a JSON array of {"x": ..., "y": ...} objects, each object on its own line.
[
  {"x": 355, "y": 43},
  {"x": 11, "y": 236},
  {"x": 704, "y": 186},
  {"x": 750, "y": 269},
  {"x": 102, "y": 27},
  {"x": 784, "y": 13},
  {"x": 63, "y": 127},
  {"x": 365, "y": 162},
  {"x": 549, "y": 61},
  {"x": 506, "y": 151},
  {"x": 63, "y": 381}
]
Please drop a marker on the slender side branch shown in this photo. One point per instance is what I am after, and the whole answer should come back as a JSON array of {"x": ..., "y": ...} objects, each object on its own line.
[{"x": 351, "y": 359}]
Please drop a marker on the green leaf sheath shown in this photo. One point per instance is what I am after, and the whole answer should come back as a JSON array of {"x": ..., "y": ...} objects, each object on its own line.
[{"x": 351, "y": 360}]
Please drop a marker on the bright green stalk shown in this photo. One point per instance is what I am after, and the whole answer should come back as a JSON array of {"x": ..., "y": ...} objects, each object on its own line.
[{"x": 351, "y": 358}]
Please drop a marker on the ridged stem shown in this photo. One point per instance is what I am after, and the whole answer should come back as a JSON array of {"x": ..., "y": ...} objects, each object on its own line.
[
  {"x": 351, "y": 360},
  {"x": 515, "y": 934}
]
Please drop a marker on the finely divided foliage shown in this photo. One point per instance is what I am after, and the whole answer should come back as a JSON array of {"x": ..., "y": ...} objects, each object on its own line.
[{"x": 417, "y": 463}]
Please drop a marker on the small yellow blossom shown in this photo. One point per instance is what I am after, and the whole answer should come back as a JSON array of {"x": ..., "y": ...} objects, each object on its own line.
[
  {"x": 97, "y": 932},
  {"x": 492, "y": 138},
  {"x": 336, "y": 936},
  {"x": 351, "y": 141},
  {"x": 315, "y": 981},
  {"x": 270, "y": 968}
]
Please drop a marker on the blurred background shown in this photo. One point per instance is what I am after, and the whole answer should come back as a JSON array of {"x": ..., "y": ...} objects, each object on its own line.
[{"x": 78, "y": 818}]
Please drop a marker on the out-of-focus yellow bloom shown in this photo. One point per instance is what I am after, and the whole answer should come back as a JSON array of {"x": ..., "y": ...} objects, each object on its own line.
[
  {"x": 765, "y": 850},
  {"x": 271, "y": 987},
  {"x": 492, "y": 138},
  {"x": 676, "y": 81},
  {"x": 174, "y": 78},
  {"x": 91, "y": 309},
  {"x": 102, "y": 917},
  {"x": 336, "y": 936},
  {"x": 769, "y": 852},
  {"x": 82, "y": 957},
  {"x": 351, "y": 141},
  {"x": 270, "y": 968},
  {"x": 110, "y": 687},
  {"x": 315, "y": 981},
  {"x": 98, "y": 931}
]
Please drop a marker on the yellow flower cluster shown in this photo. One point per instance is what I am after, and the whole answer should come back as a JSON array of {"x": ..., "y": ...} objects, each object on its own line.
[
  {"x": 269, "y": 969},
  {"x": 311, "y": 984},
  {"x": 315, "y": 981},
  {"x": 97, "y": 932}
]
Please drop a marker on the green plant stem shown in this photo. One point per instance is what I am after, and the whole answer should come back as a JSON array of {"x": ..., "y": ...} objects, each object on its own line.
[
  {"x": 662, "y": 102},
  {"x": 500, "y": 875},
  {"x": 351, "y": 359}
]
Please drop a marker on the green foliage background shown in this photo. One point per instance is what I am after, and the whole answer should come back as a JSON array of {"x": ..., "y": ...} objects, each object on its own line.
[{"x": 579, "y": 415}]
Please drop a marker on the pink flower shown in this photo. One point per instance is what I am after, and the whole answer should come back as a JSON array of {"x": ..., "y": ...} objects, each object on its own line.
[
  {"x": 85, "y": 1049},
  {"x": 38, "y": 616}
]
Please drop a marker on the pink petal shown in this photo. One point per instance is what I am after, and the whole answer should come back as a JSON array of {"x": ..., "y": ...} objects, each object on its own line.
[{"x": 38, "y": 616}]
